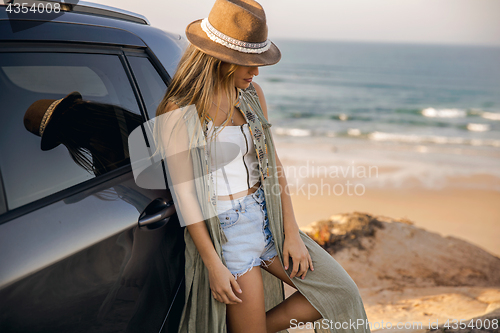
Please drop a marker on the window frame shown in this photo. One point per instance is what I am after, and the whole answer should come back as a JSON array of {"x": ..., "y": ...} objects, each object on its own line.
[
  {"x": 156, "y": 65},
  {"x": 58, "y": 47}
]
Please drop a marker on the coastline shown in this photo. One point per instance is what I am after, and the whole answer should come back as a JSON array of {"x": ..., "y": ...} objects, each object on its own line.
[
  {"x": 448, "y": 191},
  {"x": 470, "y": 214},
  {"x": 395, "y": 133},
  {"x": 448, "y": 198}
]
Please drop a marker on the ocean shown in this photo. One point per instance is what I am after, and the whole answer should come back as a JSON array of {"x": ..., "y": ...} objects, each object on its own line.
[{"x": 406, "y": 93}]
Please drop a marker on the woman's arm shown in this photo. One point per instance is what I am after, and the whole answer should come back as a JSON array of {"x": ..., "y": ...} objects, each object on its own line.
[
  {"x": 294, "y": 246},
  {"x": 181, "y": 171}
]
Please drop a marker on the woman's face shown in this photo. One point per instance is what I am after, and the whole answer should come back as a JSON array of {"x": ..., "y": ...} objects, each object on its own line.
[{"x": 242, "y": 76}]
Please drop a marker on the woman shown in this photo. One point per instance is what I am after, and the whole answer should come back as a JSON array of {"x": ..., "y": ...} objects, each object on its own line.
[{"x": 247, "y": 215}]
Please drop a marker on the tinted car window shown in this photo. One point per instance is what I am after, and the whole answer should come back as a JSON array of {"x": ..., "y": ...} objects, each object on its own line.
[
  {"x": 93, "y": 130},
  {"x": 152, "y": 86}
]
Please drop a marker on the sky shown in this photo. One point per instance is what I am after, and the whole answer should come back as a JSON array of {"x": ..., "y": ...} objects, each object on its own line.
[{"x": 464, "y": 22}]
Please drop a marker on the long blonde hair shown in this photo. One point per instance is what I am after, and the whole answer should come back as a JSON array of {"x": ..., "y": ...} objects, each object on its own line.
[{"x": 197, "y": 78}]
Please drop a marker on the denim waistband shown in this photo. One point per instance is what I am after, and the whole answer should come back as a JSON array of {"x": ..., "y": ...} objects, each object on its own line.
[{"x": 258, "y": 196}]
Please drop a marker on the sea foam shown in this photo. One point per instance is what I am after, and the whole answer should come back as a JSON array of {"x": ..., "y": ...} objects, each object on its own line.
[{"x": 443, "y": 113}]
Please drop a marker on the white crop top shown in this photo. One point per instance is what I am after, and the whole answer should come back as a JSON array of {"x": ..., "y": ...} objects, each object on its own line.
[{"x": 240, "y": 170}]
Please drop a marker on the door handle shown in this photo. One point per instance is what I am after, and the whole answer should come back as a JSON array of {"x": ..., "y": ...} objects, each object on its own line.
[{"x": 156, "y": 214}]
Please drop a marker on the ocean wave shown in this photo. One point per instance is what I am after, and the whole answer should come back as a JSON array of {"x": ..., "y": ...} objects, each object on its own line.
[
  {"x": 354, "y": 132},
  {"x": 444, "y": 113},
  {"x": 275, "y": 79},
  {"x": 478, "y": 127},
  {"x": 292, "y": 131},
  {"x": 491, "y": 115},
  {"x": 412, "y": 138}
]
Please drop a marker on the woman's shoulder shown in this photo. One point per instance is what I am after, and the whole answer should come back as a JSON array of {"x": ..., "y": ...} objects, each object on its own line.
[
  {"x": 171, "y": 106},
  {"x": 252, "y": 90},
  {"x": 255, "y": 91}
]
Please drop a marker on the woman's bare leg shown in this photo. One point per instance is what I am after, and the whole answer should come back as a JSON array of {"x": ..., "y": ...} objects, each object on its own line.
[
  {"x": 294, "y": 307},
  {"x": 249, "y": 315}
]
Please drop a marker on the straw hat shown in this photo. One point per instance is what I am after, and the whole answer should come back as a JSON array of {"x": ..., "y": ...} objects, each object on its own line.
[
  {"x": 235, "y": 31},
  {"x": 43, "y": 116}
]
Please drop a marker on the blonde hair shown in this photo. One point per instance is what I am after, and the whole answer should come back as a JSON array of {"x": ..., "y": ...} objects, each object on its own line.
[{"x": 197, "y": 78}]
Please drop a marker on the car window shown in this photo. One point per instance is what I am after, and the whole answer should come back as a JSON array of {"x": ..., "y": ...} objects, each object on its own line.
[
  {"x": 152, "y": 86},
  {"x": 40, "y": 79},
  {"x": 85, "y": 135}
]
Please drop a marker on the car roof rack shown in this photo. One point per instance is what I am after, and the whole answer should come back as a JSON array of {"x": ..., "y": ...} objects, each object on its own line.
[{"x": 91, "y": 8}]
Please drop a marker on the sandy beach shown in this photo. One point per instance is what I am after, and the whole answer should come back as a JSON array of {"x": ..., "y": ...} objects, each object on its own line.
[
  {"x": 431, "y": 189},
  {"x": 469, "y": 214},
  {"x": 438, "y": 205}
]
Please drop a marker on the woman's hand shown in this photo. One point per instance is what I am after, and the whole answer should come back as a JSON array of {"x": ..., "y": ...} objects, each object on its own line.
[
  {"x": 222, "y": 283},
  {"x": 294, "y": 247}
]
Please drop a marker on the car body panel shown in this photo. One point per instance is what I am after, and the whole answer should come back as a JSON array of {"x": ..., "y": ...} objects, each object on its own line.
[{"x": 167, "y": 47}]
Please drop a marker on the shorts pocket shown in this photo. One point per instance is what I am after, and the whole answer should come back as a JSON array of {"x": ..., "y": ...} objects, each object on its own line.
[{"x": 229, "y": 218}]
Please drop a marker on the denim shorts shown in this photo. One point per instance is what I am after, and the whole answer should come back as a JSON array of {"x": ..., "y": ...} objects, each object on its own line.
[{"x": 246, "y": 225}]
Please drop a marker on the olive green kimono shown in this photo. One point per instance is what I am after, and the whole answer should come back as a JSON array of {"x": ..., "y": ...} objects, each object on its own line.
[{"x": 328, "y": 288}]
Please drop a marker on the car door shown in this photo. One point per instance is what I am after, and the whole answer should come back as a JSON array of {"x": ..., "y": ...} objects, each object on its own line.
[{"x": 72, "y": 258}]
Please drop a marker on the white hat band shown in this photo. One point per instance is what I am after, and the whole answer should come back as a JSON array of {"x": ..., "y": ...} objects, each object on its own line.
[
  {"x": 232, "y": 43},
  {"x": 48, "y": 114}
]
